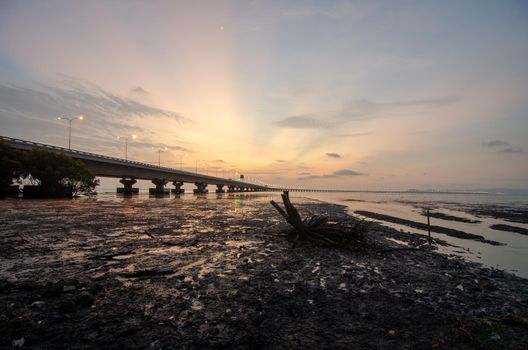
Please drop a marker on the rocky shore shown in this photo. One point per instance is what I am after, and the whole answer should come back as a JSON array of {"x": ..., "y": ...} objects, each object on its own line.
[{"x": 218, "y": 273}]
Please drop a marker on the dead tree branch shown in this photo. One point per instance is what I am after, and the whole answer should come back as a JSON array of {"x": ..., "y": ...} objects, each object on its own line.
[{"x": 318, "y": 229}]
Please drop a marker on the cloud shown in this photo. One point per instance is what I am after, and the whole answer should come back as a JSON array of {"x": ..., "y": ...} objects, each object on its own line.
[
  {"x": 77, "y": 97},
  {"x": 333, "y": 155},
  {"x": 280, "y": 161},
  {"x": 156, "y": 146},
  {"x": 107, "y": 115},
  {"x": 138, "y": 90},
  {"x": 305, "y": 173},
  {"x": 511, "y": 150},
  {"x": 347, "y": 172},
  {"x": 337, "y": 173},
  {"x": 302, "y": 122},
  {"x": 357, "y": 134},
  {"x": 332, "y": 11},
  {"x": 358, "y": 110},
  {"x": 495, "y": 143}
]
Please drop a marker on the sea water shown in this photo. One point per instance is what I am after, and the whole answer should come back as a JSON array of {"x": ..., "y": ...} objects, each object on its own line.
[{"x": 511, "y": 256}]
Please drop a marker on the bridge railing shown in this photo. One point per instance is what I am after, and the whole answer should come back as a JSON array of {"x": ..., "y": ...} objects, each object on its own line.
[{"x": 95, "y": 155}]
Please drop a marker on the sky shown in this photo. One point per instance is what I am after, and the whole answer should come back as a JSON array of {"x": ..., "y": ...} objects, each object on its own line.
[{"x": 376, "y": 95}]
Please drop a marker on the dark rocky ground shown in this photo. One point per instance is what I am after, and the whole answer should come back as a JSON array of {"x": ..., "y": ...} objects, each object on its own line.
[{"x": 216, "y": 273}]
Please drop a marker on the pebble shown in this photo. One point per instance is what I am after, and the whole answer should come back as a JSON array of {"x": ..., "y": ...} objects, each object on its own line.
[{"x": 38, "y": 304}]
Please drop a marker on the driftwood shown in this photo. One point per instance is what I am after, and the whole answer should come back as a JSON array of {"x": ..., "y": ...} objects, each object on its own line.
[
  {"x": 318, "y": 229},
  {"x": 110, "y": 255}
]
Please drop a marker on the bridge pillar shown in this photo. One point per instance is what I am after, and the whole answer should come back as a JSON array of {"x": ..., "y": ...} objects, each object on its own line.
[
  {"x": 127, "y": 188},
  {"x": 178, "y": 189},
  {"x": 231, "y": 189},
  {"x": 160, "y": 187},
  {"x": 220, "y": 188},
  {"x": 201, "y": 188}
]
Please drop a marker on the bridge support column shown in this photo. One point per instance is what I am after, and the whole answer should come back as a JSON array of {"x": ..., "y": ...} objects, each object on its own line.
[
  {"x": 201, "y": 188},
  {"x": 231, "y": 189},
  {"x": 160, "y": 187},
  {"x": 178, "y": 189},
  {"x": 127, "y": 188},
  {"x": 220, "y": 188}
]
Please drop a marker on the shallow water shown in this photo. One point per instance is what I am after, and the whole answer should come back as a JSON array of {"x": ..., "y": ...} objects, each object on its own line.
[{"x": 512, "y": 256}]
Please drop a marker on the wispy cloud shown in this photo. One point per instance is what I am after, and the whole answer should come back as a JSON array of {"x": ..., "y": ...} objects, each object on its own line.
[
  {"x": 108, "y": 115},
  {"x": 357, "y": 134},
  {"x": 337, "y": 173},
  {"x": 303, "y": 122},
  {"x": 347, "y": 172},
  {"x": 332, "y": 11},
  {"x": 139, "y": 90},
  {"x": 502, "y": 146},
  {"x": 495, "y": 143},
  {"x": 358, "y": 110},
  {"x": 77, "y": 97},
  {"x": 333, "y": 155},
  {"x": 511, "y": 150},
  {"x": 280, "y": 161}
]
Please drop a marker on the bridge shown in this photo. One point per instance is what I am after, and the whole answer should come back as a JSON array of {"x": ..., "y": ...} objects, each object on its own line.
[{"x": 130, "y": 171}]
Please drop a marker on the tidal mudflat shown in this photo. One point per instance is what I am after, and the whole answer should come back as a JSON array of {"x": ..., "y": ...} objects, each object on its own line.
[{"x": 218, "y": 273}]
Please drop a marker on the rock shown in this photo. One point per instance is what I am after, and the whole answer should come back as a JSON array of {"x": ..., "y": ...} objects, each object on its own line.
[
  {"x": 18, "y": 343},
  {"x": 67, "y": 306},
  {"x": 495, "y": 337},
  {"x": 68, "y": 288},
  {"x": 38, "y": 304},
  {"x": 51, "y": 290},
  {"x": 84, "y": 299}
]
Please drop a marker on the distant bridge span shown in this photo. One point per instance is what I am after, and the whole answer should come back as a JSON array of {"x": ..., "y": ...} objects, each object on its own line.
[{"x": 129, "y": 170}]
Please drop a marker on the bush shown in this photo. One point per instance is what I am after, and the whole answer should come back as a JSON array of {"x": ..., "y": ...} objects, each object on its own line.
[
  {"x": 11, "y": 166},
  {"x": 58, "y": 175}
]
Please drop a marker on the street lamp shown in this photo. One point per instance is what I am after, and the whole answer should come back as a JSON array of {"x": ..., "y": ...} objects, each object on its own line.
[
  {"x": 69, "y": 129},
  {"x": 196, "y": 168},
  {"x": 126, "y": 143},
  {"x": 159, "y": 154},
  {"x": 181, "y": 159}
]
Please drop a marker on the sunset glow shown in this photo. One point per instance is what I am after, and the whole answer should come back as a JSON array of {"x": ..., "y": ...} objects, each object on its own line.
[{"x": 350, "y": 95}]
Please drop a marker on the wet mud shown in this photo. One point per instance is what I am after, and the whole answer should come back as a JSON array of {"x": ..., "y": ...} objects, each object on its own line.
[
  {"x": 422, "y": 226},
  {"x": 443, "y": 216},
  {"x": 219, "y": 273},
  {"x": 509, "y": 228}
]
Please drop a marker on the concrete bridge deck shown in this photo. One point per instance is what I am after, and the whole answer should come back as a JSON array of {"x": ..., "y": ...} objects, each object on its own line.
[{"x": 127, "y": 170}]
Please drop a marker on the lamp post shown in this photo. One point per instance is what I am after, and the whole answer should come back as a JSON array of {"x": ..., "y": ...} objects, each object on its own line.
[
  {"x": 69, "y": 127},
  {"x": 126, "y": 143},
  {"x": 159, "y": 154},
  {"x": 181, "y": 159}
]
